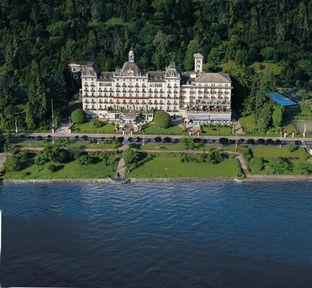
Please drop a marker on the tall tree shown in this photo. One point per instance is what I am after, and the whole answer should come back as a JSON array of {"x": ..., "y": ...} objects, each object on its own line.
[{"x": 192, "y": 48}]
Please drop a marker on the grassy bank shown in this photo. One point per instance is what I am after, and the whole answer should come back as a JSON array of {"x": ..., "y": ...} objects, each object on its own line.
[
  {"x": 268, "y": 152},
  {"x": 71, "y": 170},
  {"x": 269, "y": 160},
  {"x": 170, "y": 166},
  {"x": 67, "y": 144}
]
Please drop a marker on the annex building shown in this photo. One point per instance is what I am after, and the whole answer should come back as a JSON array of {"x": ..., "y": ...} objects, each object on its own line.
[{"x": 193, "y": 95}]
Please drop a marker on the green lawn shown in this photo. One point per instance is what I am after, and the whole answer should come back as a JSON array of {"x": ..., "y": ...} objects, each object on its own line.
[
  {"x": 268, "y": 152},
  {"x": 166, "y": 166},
  {"x": 150, "y": 129},
  {"x": 30, "y": 143},
  {"x": 297, "y": 158},
  {"x": 71, "y": 170},
  {"x": 173, "y": 147},
  {"x": 108, "y": 128},
  {"x": 37, "y": 143},
  {"x": 216, "y": 131},
  {"x": 305, "y": 112},
  {"x": 92, "y": 145}
]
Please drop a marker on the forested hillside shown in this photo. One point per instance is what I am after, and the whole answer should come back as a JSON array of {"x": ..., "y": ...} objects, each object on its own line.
[{"x": 261, "y": 43}]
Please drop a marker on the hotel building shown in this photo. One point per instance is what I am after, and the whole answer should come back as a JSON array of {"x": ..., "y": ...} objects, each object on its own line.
[{"x": 194, "y": 95}]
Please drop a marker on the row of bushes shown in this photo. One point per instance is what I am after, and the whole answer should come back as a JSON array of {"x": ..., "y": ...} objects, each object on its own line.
[{"x": 20, "y": 160}]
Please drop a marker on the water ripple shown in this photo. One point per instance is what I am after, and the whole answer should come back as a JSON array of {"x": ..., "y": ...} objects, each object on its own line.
[{"x": 217, "y": 234}]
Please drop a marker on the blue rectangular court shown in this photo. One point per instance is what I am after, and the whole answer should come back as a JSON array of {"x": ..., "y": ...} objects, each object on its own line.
[{"x": 280, "y": 99}]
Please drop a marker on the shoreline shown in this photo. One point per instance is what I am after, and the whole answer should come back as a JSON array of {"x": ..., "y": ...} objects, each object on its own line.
[{"x": 249, "y": 178}]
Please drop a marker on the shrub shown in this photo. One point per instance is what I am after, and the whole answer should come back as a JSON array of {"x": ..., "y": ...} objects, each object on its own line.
[
  {"x": 75, "y": 153},
  {"x": 130, "y": 156},
  {"x": 104, "y": 156},
  {"x": 78, "y": 116},
  {"x": 256, "y": 164},
  {"x": 188, "y": 143},
  {"x": 135, "y": 145},
  {"x": 185, "y": 158},
  {"x": 85, "y": 159},
  {"x": 119, "y": 140},
  {"x": 279, "y": 166},
  {"x": 95, "y": 123},
  {"x": 12, "y": 164},
  {"x": 304, "y": 168},
  {"x": 247, "y": 153},
  {"x": 63, "y": 156},
  {"x": 50, "y": 152},
  {"x": 17, "y": 161},
  {"x": 214, "y": 156},
  {"x": 162, "y": 119},
  {"x": 41, "y": 159},
  {"x": 53, "y": 167},
  {"x": 292, "y": 148}
]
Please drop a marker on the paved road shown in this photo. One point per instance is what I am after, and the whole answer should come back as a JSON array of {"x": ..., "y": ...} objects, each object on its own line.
[{"x": 90, "y": 136}]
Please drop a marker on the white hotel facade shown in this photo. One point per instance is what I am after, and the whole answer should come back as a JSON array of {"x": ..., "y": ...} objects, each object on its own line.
[{"x": 194, "y": 95}]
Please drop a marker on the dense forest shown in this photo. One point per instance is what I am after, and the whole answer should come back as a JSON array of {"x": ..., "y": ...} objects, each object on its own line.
[{"x": 260, "y": 43}]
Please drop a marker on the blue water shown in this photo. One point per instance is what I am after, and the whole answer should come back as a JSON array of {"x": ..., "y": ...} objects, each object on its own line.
[{"x": 157, "y": 235}]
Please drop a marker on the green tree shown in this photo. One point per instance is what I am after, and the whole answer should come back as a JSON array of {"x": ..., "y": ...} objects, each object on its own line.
[
  {"x": 30, "y": 117},
  {"x": 188, "y": 143},
  {"x": 17, "y": 161},
  {"x": 214, "y": 156},
  {"x": 256, "y": 164},
  {"x": 130, "y": 156},
  {"x": 277, "y": 116},
  {"x": 36, "y": 110},
  {"x": 268, "y": 53},
  {"x": 192, "y": 48},
  {"x": 214, "y": 56},
  {"x": 162, "y": 119},
  {"x": 85, "y": 159},
  {"x": 278, "y": 166},
  {"x": 78, "y": 116},
  {"x": 7, "y": 110},
  {"x": 2, "y": 141}
]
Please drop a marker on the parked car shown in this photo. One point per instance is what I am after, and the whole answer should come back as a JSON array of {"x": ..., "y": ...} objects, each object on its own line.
[{"x": 260, "y": 141}]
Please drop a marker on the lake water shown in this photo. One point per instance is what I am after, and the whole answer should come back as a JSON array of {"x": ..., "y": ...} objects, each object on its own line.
[{"x": 218, "y": 234}]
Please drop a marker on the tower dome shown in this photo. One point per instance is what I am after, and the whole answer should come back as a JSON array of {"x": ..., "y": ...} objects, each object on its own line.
[
  {"x": 171, "y": 70},
  {"x": 130, "y": 68}
]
